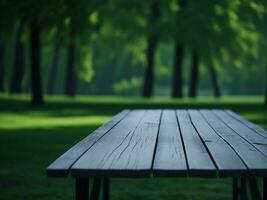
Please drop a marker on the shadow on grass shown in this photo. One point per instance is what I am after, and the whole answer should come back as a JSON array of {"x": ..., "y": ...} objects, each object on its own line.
[{"x": 25, "y": 154}]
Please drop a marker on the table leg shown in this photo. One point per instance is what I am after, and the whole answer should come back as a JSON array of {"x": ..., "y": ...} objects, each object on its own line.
[
  {"x": 265, "y": 188},
  {"x": 82, "y": 188},
  {"x": 106, "y": 189},
  {"x": 95, "y": 190},
  {"x": 254, "y": 189},
  {"x": 243, "y": 189},
  {"x": 235, "y": 189}
]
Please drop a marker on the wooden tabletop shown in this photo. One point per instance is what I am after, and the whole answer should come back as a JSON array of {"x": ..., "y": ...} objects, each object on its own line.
[{"x": 168, "y": 143}]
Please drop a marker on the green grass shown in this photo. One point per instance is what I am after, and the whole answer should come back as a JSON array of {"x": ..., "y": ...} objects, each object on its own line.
[{"x": 31, "y": 137}]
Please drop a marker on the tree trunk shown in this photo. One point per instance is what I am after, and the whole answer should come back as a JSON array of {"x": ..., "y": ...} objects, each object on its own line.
[
  {"x": 177, "y": 81},
  {"x": 194, "y": 75},
  {"x": 36, "y": 88},
  {"x": 182, "y": 3},
  {"x": 214, "y": 81},
  {"x": 18, "y": 66},
  {"x": 150, "y": 54},
  {"x": 71, "y": 79},
  {"x": 149, "y": 73},
  {"x": 266, "y": 85},
  {"x": 2, "y": 67},
  {"x": 54, "y": 66}
]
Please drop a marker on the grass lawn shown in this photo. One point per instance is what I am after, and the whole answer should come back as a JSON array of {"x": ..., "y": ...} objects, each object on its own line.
[{"x": 32, "y": 137}]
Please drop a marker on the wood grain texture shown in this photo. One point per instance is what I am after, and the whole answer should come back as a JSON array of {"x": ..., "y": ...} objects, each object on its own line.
[
  {"x": 249, "y": 124},
  {"x": 255, "y": 161},
  {"x": 226, "y": 159},
  {"x": 168, "y": 143},
  {"x": 198, "y": 159},
  {"x": 170, "y": 156},
  {"x": 126, "y": 151},
  {"x": 61, "y": 166},
  {"x": 241, "y": 129}
]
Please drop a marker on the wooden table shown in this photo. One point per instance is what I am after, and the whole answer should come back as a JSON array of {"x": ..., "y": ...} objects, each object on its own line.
[{"x": 168, "y": 143}]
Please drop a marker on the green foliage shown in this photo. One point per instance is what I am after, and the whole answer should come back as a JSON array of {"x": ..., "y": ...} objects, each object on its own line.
[
  {"x": 128, "y": 87},
  {"x": 86, "y": 72},
  {"x": 111, "y": 38}
]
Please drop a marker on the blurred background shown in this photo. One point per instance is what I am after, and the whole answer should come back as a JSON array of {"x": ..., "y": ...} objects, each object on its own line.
[
  {"x": 68, "y": 66},
  {"x": 154, "y": 48}
]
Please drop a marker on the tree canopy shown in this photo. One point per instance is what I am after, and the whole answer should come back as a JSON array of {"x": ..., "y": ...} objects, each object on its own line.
[{"x": 112, "y": 37}]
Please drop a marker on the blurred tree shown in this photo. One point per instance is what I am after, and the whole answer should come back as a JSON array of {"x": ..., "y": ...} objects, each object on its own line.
[
  {"x": 262, "y": 24},
  {"x": 38, "y": 16},
  {"x": 7, "y": 21},
  {"x": 214, "y": 80},
  {"x": 37, "y": 95},
  {"x": 152, "y": 40},
  {"x": 71, "y": 78},
  {"x": 2, "y": 68},
  {"x": 177, "y": 81},
  {"x": 223, "y": 31},
  {"x": 18, "y": 66},
  {"x": 54, "y": 63},
  {"x": 79, "y": 25},
  {"x": 266, "y": 85},
  {"x": 131, "y": 23},
  {"x": 194, "y": 75}
]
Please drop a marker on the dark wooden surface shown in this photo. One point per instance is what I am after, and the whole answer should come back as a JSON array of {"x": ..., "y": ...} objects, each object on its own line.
[
  {"x": 227, "y": 161},
  {"x": 170, "y": 156},
  {"x": 168, "y": 143},
  {"x": 125, "y": 151},
  {"x": 249, "y": 124},
  {"x": 62, "y": 165},
  {"x": 255, "y": 161},
  {"x": 245, "y": 132},
  {"x": 198, "y": 159}
]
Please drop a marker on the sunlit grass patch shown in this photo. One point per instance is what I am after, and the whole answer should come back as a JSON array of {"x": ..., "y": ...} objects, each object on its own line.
[{"x": 19, "y": 121}]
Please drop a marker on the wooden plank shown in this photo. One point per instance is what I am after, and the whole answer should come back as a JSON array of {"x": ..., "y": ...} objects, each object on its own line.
[
  {"x": 127, "y": 151},
  {"x": 226, "y": 159},
  {"x": 251, "y": 136},
  {"x": 198, "y": 159},
  {"x": 255, "y": 161},
  {"x": 170, "y": 156},
  {"x": 61, "y": 166},
  {"x": 249, "y": 124}
]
